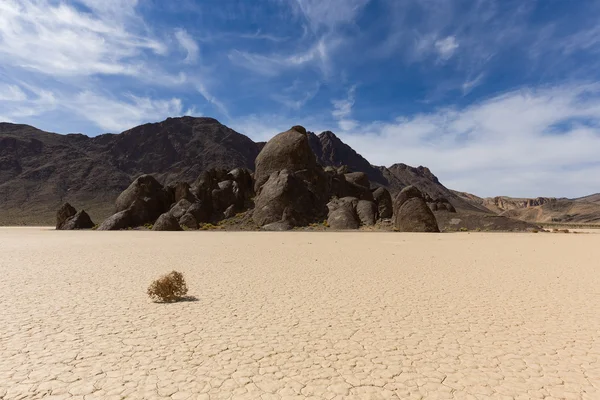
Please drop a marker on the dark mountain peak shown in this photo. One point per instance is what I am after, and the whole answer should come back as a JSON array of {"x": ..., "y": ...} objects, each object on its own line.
[
  {"x": 193, "y": 120},
  {"x": 41, "y": 170},
  {"x": 328, "y": 135},
  {"x": 419, "y": 171}
]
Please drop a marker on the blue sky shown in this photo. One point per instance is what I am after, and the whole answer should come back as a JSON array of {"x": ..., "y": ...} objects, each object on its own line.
[{"x": 497, "y": 97}]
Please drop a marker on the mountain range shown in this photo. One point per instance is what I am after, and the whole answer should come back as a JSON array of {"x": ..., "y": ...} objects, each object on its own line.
[{"x": 40, "y": 170}]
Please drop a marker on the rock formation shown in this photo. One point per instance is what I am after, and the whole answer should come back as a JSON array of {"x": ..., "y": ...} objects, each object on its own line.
[
  {"x": 411, "y": 213},
  {"x": 67, "y": 218},
  {"x": 166, "y": 222},
  {"x": 342, "y": 213},
  {"x": 383, "y": 199},
  {"x": 291, "y": 187}
]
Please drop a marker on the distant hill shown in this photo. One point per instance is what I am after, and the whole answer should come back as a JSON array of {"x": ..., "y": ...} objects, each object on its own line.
[
  {"x": 592, "y": 198},
  {"x": 585, "y": 210},
  {"x": 331, "y": 151},
  {"x": 41, "y": 170}
]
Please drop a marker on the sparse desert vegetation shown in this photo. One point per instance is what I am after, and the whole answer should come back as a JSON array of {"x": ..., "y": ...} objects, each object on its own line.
[{"x": 168, "y": 288}]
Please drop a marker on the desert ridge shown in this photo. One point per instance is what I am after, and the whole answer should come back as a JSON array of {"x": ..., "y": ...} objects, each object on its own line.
[{"x": 288, "y": 189}]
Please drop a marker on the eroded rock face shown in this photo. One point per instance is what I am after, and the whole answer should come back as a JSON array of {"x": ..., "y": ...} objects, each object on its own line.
[
  {"x": 81, "y": 220},
  {"x": 244, "y": 180},
  {"x": 166, "y": 222},
  {"x": 284, "y": 191},
  {"x": 367, "y": 212},
  {"x": 189, "y": 221},
  {"x": 411, "y": 213},
  {"x": 358, "y": 178},
  {"x": 342, "y": 213},
  {"x": 200, "y": 210},
  {"x": 180, "y": 208},
  {"x": 65, "y": 212},
  {"x": 288, "y": 150},
  {"x": 67, "y": 219},
  {"x": 181, "y": 190},
  {"x": 383, "y": 199},
  {"x": 116, "y": 222},
  {"x": 146, "y": 198}
]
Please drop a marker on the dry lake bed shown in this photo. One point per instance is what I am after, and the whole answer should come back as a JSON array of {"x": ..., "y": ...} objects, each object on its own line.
[{"x": 300, "y": 315}]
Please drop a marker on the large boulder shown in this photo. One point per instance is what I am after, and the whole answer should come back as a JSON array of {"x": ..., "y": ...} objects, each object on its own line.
[
  {"x": 285, "y": 193},
  {"x": 201, "y": 211},
  {"x": 68, "y": 219},
  {"x": 188, "y": 221},
  {"x": 225, "y": 195},
  {"x": 243, "y": 178},
  {"x": 358, "y": 178},
  {"x": 367, "y": 212},
  {"x": 345, "y": 185},
  {"x": 411, "y": 213},
  {"x": 65, "y": 212},
  {"x": 166, "y": 222},
  {"x": 81, "y": 220},
  {"x": 342, "y": 213},
  {"x": 180, "y": 208},
  {"x": 146, "y": 198},
  {"x": 181, "y": 190},
  {"x": 383, "y": 199},
  {"x": 288, "y": 150},
  {"x": 116, "y": 222}
]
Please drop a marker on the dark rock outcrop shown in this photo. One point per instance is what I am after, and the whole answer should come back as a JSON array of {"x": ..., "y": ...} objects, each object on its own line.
[
  {"x": 367, "y": 212},
  {"x": 188, "y": 221},
  {"x": 411, "y": 213},
  {"x": 288, "y": 150},
  {"x": 166, "y": 222},
  {"x": 81, "y": 220},
  {"x": 146, "y": 198},
  {"x": 63, "y": 214},
  {"x": 39, "y": 171},
  {"x": 285, "y": 193},
  {"x": 180, "y": 208},
  {"x": 342, "y": 213},
  {"x": 67, "y": 219},
  {"x": 116, "y": 222},
  {"x": 358, "y": 178},
  {"x": 201, "y": 211},
  {"x": 383, "y": 199}
]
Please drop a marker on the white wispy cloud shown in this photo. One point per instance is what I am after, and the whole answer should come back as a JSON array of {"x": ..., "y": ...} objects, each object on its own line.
[
  {"x": 58, "y": 39},
  {"x": 446, "y": 47},
  {"x": 342, "y": 111},
  {"x": 116, "y": 115},
  {"x": 297, "y": 94},
  {"x": 275, "y": 64},
  {"x": 528, "y": 142},
  {"x": 11, "y": 93},
  {"x": 471, "y": 84},
  {"x": 188, "y": 44},
  {"x": 330, "y": 13}
]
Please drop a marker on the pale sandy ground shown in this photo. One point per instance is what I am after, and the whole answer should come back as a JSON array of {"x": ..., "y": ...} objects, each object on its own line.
[{"x": 300, "y": 315}]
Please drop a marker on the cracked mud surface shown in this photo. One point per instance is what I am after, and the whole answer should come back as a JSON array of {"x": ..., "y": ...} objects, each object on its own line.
[{"x": 300, "y": 315}]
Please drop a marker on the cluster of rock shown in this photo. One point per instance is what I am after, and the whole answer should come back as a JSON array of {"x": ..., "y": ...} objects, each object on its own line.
[
  {"x": 216, "y": 194},
  {"x": 288, "y": 189},
  {"x": 440, "y": 204},
  {"x": 67, "y": 218}
]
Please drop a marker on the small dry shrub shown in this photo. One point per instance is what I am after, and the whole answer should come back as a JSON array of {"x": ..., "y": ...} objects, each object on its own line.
[
  {"x": 534, "y": 231},
  {"x": 168, "y": 288}
]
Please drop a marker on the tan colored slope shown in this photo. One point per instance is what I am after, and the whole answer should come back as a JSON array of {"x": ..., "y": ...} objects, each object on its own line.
[
  {"x": 585, "y": 210},
  {"x": 593, "y": 198},
  {"x": 300, "y": 315},
  {"x": 561, "y": 211}
]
